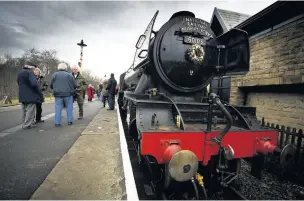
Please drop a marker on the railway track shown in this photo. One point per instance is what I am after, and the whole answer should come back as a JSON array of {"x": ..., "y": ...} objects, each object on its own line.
[
  {"x": 232, "y": 194},
  {"x": 269, "y": 187}
]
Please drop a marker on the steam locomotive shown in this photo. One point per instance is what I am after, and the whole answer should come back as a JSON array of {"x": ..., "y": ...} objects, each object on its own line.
[{"x": 187, "y": 137}]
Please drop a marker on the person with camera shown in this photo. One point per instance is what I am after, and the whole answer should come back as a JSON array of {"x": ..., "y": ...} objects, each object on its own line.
[{"x": 42, "y": 87}]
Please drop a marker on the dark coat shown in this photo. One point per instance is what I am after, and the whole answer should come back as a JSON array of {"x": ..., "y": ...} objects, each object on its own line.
[
  {"x": 81, "y": 84},
  {"x": 111, "y": 86},
  {"x": 42, "y": 84},
  {"x": 29, "y": 91},
  {"x": 63, "y": 84},
  {"x": 104, "y": 89}
]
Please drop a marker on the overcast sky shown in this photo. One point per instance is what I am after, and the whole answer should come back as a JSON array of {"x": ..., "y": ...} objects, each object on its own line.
[{"x": 110, "y": 29}]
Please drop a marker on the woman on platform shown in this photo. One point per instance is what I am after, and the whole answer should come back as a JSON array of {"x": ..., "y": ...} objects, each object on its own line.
[{"x": 90, "y": 93}]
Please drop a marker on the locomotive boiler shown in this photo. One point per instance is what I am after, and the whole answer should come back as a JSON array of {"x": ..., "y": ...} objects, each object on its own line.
[{"x": 189, "y": 139}]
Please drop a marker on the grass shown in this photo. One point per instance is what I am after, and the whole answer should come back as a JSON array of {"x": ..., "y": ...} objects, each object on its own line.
[{"x": 16, "y": 102}]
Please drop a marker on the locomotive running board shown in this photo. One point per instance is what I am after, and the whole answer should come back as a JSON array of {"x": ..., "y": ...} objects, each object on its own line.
[{"x": 243, "y": 116}]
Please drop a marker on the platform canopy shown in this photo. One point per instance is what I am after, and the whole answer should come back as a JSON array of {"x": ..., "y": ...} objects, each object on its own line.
[{"x": 224, "y": 20}]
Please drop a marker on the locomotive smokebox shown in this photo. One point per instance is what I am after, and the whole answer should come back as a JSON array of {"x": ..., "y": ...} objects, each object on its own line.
[
  {"x": 184, "y": 56},
  {"x": 182, "y": 164},
  {"x": 182, "y": 14},
  {"x": 179, "y": 51}
]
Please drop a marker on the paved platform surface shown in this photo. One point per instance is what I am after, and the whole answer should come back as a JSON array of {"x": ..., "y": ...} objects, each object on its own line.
[
  {"x": 28, "y": 156},
  {"x": 92, "y": 168}
]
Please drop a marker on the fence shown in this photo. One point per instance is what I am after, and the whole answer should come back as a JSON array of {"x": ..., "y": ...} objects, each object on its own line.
[{"x": 288, "y": 135}]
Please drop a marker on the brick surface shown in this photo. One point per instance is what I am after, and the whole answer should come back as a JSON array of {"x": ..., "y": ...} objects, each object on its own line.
[
  {"x": 283, "y": 109},
  {"x": 275, "y": 58}
]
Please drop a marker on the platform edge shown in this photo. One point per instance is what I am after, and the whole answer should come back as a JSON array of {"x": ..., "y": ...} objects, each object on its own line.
[{"x": 131, "y": 190}]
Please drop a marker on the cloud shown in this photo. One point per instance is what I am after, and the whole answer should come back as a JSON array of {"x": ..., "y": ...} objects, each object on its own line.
[{"x": 110, "y": 29}]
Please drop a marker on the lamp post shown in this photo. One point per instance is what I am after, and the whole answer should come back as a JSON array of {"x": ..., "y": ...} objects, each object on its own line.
[{"x": 81, "y": 44}]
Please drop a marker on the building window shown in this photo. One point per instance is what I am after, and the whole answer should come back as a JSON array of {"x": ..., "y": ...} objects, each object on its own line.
[{"x": 224, "y": 90}]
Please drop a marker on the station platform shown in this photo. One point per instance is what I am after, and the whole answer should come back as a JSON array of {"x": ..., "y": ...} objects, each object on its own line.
[{"x": 97, "y": 166}]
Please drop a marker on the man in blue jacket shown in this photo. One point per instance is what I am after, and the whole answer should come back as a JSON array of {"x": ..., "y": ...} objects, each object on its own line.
[
  {"x": 29, "y": 94},
  {"x": 63, "y": 85}
]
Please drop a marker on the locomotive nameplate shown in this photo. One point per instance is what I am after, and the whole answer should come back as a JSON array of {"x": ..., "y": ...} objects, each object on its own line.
[
  {"x": 196, "y": 25},
  {"x": 191, "y": 29},
  {"x": 194, "y": 40},
  {"x": 195, "y": 22}
]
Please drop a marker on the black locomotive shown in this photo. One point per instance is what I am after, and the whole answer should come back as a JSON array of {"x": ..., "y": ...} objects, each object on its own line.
[{"x": 183, "y": 132}]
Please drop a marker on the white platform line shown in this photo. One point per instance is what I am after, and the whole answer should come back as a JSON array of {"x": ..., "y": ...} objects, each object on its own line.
[
  {"x": 17, "y": 128},
  {"x": 129, "y": 177}
]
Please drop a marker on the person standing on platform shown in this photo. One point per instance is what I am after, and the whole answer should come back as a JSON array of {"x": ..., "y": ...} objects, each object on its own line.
[
  {"x": 63, "y": 85},
  {"x": 117, "y": 89},
  {"x": 111, "y": 91},
  {"x": 104, "y": 93},
  {"x": 90, "y": 93},
  {"x": 99, "y": 92},
  {"x": 29, "y": 95},
  {"x": 80, "y": 89},
  {"x": 42, "y": 88}
]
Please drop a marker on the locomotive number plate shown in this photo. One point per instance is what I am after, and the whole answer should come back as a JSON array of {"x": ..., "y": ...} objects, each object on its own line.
[{"x": 194, "y": 40}]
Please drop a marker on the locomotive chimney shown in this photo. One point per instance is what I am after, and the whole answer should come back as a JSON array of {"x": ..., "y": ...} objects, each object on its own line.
[{"x": 182, "y": 14}]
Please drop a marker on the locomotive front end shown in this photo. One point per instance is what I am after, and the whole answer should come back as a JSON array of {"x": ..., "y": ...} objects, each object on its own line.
[{"x": 180, "y": 53}]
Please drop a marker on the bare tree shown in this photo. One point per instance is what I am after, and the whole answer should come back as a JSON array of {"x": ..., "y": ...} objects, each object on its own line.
[{"x": 46, "y": 60}]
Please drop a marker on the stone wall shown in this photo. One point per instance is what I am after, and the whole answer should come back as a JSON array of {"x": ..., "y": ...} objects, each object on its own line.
[
  {"x": 276, "y": 58},
  {"x": 282, "y": 109}
]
